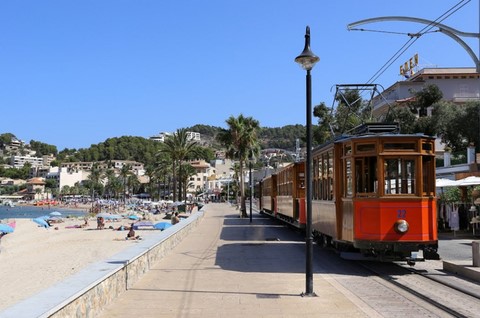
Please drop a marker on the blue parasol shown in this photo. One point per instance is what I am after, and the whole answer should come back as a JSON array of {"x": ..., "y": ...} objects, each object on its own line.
[
  {"x": 41, "y": 221},
  {"x": 162, "y": 225},
  {"x": 4, "y": 228},
  {"x": 113, "y": 217},
  {"x": 55, "y": 213},
  {"x": 133, "y": 217}
]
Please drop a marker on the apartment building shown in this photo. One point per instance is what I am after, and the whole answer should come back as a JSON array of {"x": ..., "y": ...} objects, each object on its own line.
[
  {"x": 20, "y": 161},
  {"x": 458, "y": 85}
]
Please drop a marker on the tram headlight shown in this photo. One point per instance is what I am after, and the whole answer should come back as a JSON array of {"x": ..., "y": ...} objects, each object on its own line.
[{"x": 401, "y": 226}]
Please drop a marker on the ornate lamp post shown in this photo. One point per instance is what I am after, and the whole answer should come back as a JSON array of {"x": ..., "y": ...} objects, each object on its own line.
[{"x": 307, "y": 60}]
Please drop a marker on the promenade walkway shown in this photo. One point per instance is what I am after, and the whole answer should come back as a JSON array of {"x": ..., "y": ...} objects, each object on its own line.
[{"x": 228, "y": 267}]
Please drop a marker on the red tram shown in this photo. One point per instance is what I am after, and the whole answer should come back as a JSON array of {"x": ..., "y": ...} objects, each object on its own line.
[{"x": 373, "y": 195}]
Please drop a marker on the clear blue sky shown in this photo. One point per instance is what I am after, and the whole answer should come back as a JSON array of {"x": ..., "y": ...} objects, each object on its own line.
[{"x": 74, "y": 73}]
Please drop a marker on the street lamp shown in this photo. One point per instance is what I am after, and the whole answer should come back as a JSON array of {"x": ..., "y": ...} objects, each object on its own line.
[{"x": 307, "y": 60}]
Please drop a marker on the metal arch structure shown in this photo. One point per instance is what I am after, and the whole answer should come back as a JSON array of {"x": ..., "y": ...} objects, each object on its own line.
[
  {"x": 340, "y": 90},
  {"x": 451, "y": 32}
]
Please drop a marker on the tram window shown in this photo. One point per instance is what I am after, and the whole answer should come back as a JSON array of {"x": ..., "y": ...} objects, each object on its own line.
[
  {"x": 324, "y": 177},
  {"x": 399, "y": 176},
  {"x": 365, "y": 175},
  {"x": 365, "y": 147},
  {"x": 319, "y": 180},
  {"x": 428, "y": 174},
  {"x": 301, "y": 180},
  {"x": 347, "y": 150},
  {"x": 427, "y": 147},
  {"x": 400, "y": 146},
  {"x": 330, "y": 176},
  {"x": 348, "y": 178}
]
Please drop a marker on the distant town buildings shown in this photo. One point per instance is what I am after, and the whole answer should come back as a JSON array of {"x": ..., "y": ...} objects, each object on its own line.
[{"x": 191, "y": 135}]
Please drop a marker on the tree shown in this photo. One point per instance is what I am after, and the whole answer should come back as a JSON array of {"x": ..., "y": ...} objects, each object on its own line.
[
  {"x": 404, "y": 117},
  {"x": 351, "y": 111},
  {"x": 110, "y": 184},
  {"x": 241, "y": 142},
  {"x": 187, "y": 172},
  {"x": 322, "y": 133},
  {"x": 41, "y": 148},
  {"x": 125, "y": 175},
  {"x": 94, "y": 179},
  {"x": 458, "y": 125},
  {"x": 429, "y": 95},
  {"x": 37, "y": 193},
  {"x": 162, "y": 173},
  {"x": 178, "y": 147}
]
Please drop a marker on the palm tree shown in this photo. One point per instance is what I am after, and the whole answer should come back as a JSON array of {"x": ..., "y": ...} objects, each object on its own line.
[
  {"x": 178, "y": 146},
  {"x": 110, "y": 177},
  {"x": 94, "y": 177},
  {"x": 152, "y": 180},
  {"x": 187, "y": 172},
  {"x": 125, "y": 174},
  {"x": 241, "y": 142},
  {"x": 163, "y": 172},
  {"x": 133, "y": 184}
]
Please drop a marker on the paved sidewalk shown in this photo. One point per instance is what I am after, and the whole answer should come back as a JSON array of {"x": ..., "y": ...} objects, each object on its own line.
[{"x": 228, "y": 267}]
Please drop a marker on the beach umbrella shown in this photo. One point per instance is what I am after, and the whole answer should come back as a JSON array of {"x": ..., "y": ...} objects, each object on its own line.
[
  {"x": 442, "y": 182},
  {"x": 141, "y": 225},
  {"x": 103, "y": 215},
  {"x": 144, "y": 223},
  {"x": 133, "y": 217},
  {"x": 4, "y": 228},
  {"x": 112, "y": 217},
  {"x": 55, "y": 213},
  {"x": 162, "y": 225},
  {"x": 41, "y": 222},
  {"x": 469, "y": 181}
]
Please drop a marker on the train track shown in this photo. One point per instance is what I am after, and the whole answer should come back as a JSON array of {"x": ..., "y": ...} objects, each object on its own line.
[{"x": 445, "y": 297}]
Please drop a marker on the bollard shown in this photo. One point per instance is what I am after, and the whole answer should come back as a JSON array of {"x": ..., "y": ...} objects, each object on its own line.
[{"x": 476, "y": 253}]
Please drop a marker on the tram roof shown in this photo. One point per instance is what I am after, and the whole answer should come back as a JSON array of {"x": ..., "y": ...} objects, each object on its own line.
[{"x": 343, "y": 138}]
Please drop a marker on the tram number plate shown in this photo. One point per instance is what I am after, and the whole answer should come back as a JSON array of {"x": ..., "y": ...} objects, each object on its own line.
[{"x": 401, "y": 214}]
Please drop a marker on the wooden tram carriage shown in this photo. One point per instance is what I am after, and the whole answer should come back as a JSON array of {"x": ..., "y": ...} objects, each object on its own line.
[{"x": 373, "y": 193}]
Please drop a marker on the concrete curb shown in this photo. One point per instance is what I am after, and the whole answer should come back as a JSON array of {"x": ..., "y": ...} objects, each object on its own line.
[{"x": 463, "y": 269}]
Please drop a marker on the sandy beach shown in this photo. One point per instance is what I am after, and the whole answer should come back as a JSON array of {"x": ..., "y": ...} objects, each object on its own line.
[{"x": 34, "y": 258}]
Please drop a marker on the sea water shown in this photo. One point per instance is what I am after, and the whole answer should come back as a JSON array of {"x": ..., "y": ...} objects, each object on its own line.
[{"x": 31, "y": 212}]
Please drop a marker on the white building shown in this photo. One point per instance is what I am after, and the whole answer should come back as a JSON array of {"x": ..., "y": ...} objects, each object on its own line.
[
  {"x": 191, "y": 135},
  {"x": 20, "y": 161},
  {"x": 161, "y": 136},
  {"x": 66, "y": 176},
  {"x": 136, "y": 167},
  {"x": 199, "y": 182},
  {"x": 211, "y": 178},
  {"x": 194, "y": 136},
  {"x": 458, "y": 85}
]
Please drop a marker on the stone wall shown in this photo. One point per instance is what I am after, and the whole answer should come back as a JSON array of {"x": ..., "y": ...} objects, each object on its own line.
[{"x": 86, "y": 293}]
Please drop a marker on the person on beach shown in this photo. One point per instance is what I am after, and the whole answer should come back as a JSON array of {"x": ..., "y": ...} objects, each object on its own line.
[
  {"x": 100, "y": 223},
  {"x": 131, "y": 234},
  {"x": 85, "y": 224},
  {"x": 2, "y": 234},
  {"x": 175, "y": 218}
]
